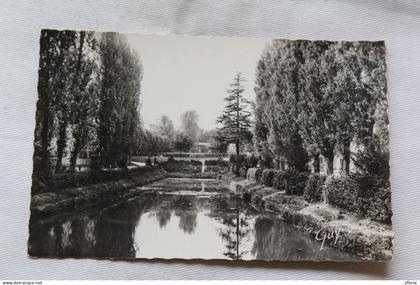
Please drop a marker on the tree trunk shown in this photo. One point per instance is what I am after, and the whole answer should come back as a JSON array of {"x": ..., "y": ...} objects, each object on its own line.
[
  {"x": 237, "y": 149},
  {"x": 61, "y": 144},
  {"x": 330, "y": 164},
  {"x": 282, "y": 164},
  {"x": 74, "y": 154},
  {"x": 346, "y": 154},
  {"x": 237, "y": 231},
  {"x": 316, "y": 163}
]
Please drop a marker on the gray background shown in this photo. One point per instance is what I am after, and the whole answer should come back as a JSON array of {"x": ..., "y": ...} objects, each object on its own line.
[{"x": 397, "y": 22}]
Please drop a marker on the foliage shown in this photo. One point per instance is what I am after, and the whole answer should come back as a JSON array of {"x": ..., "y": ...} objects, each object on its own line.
[
  {"x": 189, "y": 125},
  {"x": 149, "y": 143},
  {"x": 183, "y": 142},
  {"x": 57, "y": 60},
  {"x": 242, "y": 163},
  {"x": 290, "y": 180},
  {"x": 343, "y": 193},
  {"x": 88, "y": 101},
  {"x": 365, "y": 196},
  {"x": 77, "y": 179},
  {"x": 373, "y": 159},
  {"x": 235, "y": 119},
  {"x": 165, "y": 129},
  {"x": 316, "y": 96},
  {"x": 374, "y": 197},
  {"x": 280, "y": 180},
  {"x": 277, "y": 104},
  {"x": 219, "y": 144},
  {"x": 267, "y": 177},
  {"x": 314, "y": 187},
  {"x": 118, "y": 111}
]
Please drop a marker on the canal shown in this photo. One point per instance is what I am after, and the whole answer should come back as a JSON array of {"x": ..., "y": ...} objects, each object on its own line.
[{"x": 177, "y": 218}]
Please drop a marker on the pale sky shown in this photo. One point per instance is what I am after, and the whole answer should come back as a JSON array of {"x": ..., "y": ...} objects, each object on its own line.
[{"x": 192, "y": 73}]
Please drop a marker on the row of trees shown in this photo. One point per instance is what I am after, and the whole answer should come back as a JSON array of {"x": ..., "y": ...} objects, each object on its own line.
[
  {"x": 315, "y": 98},
  {"x": 89, "y": 88},
  {"x": 163, "y": 137}
]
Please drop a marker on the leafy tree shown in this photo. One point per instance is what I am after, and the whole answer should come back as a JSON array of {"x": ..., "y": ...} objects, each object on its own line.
[
  {"x": 183, "y": 142},
  {"x": 165, "y": 128},
  {"x": 235, "y": 119},
  {"x": 317, "y": 105},
  {"x": 277, "y": 106},
  {"x": 189, "y": 125},
  {"x": 64, "y": 92},
  {"x": 119, "y": 100},
  {"x": 85, "y": 92},
  {"x": 56, "y": 49},
  {"x": 315, "y": 98},
  {"x": 360, "y": 86}
]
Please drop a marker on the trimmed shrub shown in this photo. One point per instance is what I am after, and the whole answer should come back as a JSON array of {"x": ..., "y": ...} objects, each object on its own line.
[
  {"x": 313, "y": 188},
  {"x": 296, "y": 182},
  {"x": 267, "y": 177},
  {"x": 374, "y": 198},
  {"x": 280, "y": 180},
  {"x": 380, "y": 206},
  {"x": 251, "y": 161},
  {"x": 343, "y": 193},
  {"x": 365, "y": 196},
  {"x": 290, "y": 180}
]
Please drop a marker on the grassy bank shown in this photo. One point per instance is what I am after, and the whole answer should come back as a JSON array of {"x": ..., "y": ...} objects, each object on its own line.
[
  {"x": 333, "y": 227},
  {"x": 70, "y": 192},
  {"x": 89, "y": 195}
]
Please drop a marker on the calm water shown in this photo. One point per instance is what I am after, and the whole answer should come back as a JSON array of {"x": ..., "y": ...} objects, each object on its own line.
[{"x": 192, "y": 223}]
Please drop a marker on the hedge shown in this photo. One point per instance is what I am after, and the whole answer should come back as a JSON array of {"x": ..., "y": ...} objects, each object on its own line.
[
  {"x": 280, "y": 180},
  {"x": 296, "y": 182},
  {"x": 375, "y": 198},
  {"x": 291, "y": 181},
  {"x": 313, "y": 188},
  {"x": 343, "y": 193},
  {"x": 267, "y": 177},
  {"x": 365, "y": 196}
]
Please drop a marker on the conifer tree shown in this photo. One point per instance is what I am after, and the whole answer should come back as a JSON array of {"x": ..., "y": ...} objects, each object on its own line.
[{"x": 235, "y": 120}]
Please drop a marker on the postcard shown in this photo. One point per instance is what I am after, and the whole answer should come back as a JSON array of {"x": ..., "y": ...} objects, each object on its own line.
[{"x": 191, "y": 147}]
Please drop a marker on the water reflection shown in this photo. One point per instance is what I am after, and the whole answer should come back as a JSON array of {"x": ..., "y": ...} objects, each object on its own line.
[{"x": 175, "y": 226}]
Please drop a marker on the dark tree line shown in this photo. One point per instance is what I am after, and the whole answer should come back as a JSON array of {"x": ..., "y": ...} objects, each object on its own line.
[
  {"x": 317, "y": 98},
  {"x": 88, "y": 88}
]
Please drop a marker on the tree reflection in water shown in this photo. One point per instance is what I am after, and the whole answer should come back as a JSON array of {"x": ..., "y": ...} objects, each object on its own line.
[
  {"x": 105, "y": 234},
  {"x": 163, "y": 214},
  {"x": 218, "y": 226},
  {"x": 182, "y": 206},
  {"x": 274, "y": 239},
  {"x": 236, "y": 225},
  {"x": 186, "y": 210}
]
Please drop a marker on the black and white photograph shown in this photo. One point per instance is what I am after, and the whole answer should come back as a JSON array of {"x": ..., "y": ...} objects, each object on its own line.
[{"x": 199, "y": 147}]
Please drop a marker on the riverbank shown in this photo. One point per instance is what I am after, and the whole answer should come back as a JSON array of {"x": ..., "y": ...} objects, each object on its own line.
[
  {"x": 99, "y": 194},
  {"x": 98, "y": 190},
  {"x": 331, "y": 226}
]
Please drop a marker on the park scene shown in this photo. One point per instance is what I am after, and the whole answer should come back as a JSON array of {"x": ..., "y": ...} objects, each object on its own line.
[{"x": 181, "y": 147}]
